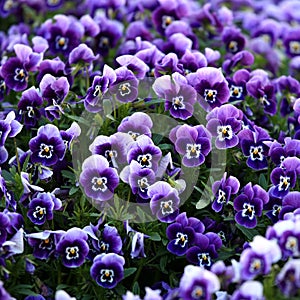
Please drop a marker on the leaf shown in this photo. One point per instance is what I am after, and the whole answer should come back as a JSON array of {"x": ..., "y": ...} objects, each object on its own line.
[
  {"x": 262, "y": 181},
  {"x": 129, "y": 271},
  {"x": 154, "y": 236},
  {"x": 78, "y": 119},
  {"x": 136, "y": 288},
  {"x": 249, "y": 233},
  {"x": 73, "y": 190}
]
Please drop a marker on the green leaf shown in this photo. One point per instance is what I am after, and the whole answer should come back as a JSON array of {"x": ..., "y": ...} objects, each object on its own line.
[
  {"x": 154, "y": 236},
  {"x": 249, "y": 233},
  {"x": 262, "y": 181},
  {"x": 78, "y": 119},
  {"x": 136, "y": 288},
  {"x": 129, "y": 271},
  {"x": 73, "y": 190}
]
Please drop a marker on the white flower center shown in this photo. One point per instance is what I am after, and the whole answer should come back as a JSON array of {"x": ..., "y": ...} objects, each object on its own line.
[
  {"x": 99, "y": 184},
  {"x": 107, "y": 275},
  {"x": 256, "y": 153},
  {"x": 221, "y": 197},
  {"x": 248, "y": 211},
  {"x": 193, "y": 150},
  {"x": 166, "y": 21},
  {"x": 124, "y": 89},
  {"x": 198, "y": 293},
  {"x": 204, "y": 260},
  {"x": 292, "y": 245},
  {"x": 181, "y": 239},
  {"x": 61, "y": 42},
  {"x": 177, "y": 102},
  {"x": 72, "y": 252},
  {"x": 39, "y": 212},
  {"x": 20, "y": 75},
  {"x": 284, "y": 183},
  {"x": 224, "y": 132},
  {"x": 210, "y": 95},
  {"x": 294, "y": 47},
  {"x": 256, "y": 265},
  {"x": 236, "y": 91},
  {"x": 145, "y": 160},
  {"x": 143, "y": 184},
  {"x": 166, "y": 207},
  {"x": 46, "y": 151}
]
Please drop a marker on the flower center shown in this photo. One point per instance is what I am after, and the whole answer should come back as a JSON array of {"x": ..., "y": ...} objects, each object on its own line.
[
  {"x": 198, "y": 293},
  {"x": 46, "y": 151},
  {"x": 39, "y": 212},
  {"x": 292, "y": 245},
  {"x": 145, "y": 160},
  {"x": 210, "y": 95},
  {"x": 166, "y": 21},
  {"x": 284, "y": 183},
  {"x": 166, "y": 207},
  {"x": 193, "y": 150},
  {"x": 8, "y": 5},
  {"x": 104, "y": 42},
  {"x": 46, "y": 244},
  {"x": 236, "y": 91},
  {"x": 294, "y": 47},
  {"x": 53, "y": 2},
  {"x": 233, "y": 46},
  {"x": 276, "y": 210},
  {"x": 107, "y": 275},
  {"x": 97, "y": 91},
  {"x": 177, "y": 102},
  {"x": 204, "y": 260},
  {"x": 264, "y": 100},
  {"x": 99, "y": 183},
  {"x": 30, "y": 111},
  {"x": 110, "y": 154},
  {"x": 143, "y": 184},
  {"x": 256, "y": 265},
  {"x": 248, "y": 211},
  {"x": 124, "y": 89},
  {"x": 20, "y": 75},
  {"x": 221, "y": 197},
  {"x": 134, "y": 135},
  {"x": 181, "y": 239},
  {"x": 104, "y": 247},
  {"x": 72, "y": 252},
  {"x": 61, "y": 43},
  {"x": 224, "y": 132},
  {"x": 256, "y": 153}
]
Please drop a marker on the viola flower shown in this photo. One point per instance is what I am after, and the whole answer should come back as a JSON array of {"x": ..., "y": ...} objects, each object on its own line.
[
  {"x": 28, "y": 107},
  {"x": 237, "y": 85},
  {"x": 290, "y": 203},
  {"x": 62, "y": 295},
  {"x": 82, "y": 54},
  {"x": 192, "y": 61},
  {"x": 69, "y": 135},
  {"x": 144, "y": 152},
  {"x": 3, "y": 293},
  {"x": 194, "y": 143},
  {"x": 249, "y": 290},
  {"x": 224, "y": 123},
  {"x": 291, "y": 42},
  {"x": 249, "y": 205},
  {"x": 168, "y": 65},
  {"x": 254, "y": 147},
  {"x": 198, "y": 283},
  {"x": 98, "y": 179},
  {"x": 180, "y": 97},
  {"x": 47, "y": 147},
  {"x": 15, "y": 70},
  {"x": 182, "y": 234},
  {"x": 273, "y": 208},
  {"x": 223, "y": 189},
  {"x": 107, "y": 270},
  {"x": 211, "y": 86},
  {"x": 244, "y": 58},
  {"x": 91, "y": 28},
  {"x": 3, "y": 224},
  {"x": 233, "y": 39},
  {"x": 135, "y": 125},
  {"x": 164, "y": 201},
  {"x": 73, "y": 247}
]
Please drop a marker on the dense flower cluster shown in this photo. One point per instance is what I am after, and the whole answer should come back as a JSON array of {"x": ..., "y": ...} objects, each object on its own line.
[{"x": 149, "y": 149}]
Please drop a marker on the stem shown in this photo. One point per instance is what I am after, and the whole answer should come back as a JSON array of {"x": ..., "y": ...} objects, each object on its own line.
[
  {"x": 17, "y": 156},
  {"x": 138, "y": 272}
]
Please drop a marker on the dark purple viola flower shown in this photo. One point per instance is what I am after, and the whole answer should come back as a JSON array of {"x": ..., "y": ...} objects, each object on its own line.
[
  {"x": 101, "y": 84},
  {"x": 233, "y": 39},
  {"x": 164, "y": 201},
  {"x": 290, "y": 203},
  {"x": 113, "y": 148},
  {"x": 249, "y": 205},
  {"x": 273, "y": 208},
  {"x": 194, "y": 143},
  {"x": 237, "y": 85},
  {"x": 110, "y": 241},
  {"x": 73, "y": 247},
  {"x": 144, "y": 152},
  {"x": 54, "y": 89},
  {"x": 253, "y": 147},
  {"x": 35, "y": 297},
  {"x": 98, "y": 179},
  {"x": 63, "y": 35},
  {"x": 82, "y": 54},
  {"x": 137, "y": 124},
  {"x": 47, "y": 147},
  {"x": 198, "y": 283},
  {"x": 192, "y": 61},
  {"x": 138, "y": 29},
  {"x": 288, "y": 279},
  {"x": 249, "y": 290},
  {"x": 15, "y": 70},
  {"x": 72, "y": 133},
  {"x": 125, "y": 86},
  {"x": 29, "y": 107},
  {"x": 91, "y": 28},
  {"x": 44, "y": 243},
  {"x": 211, "y": 86},
  {"x": 4, "y": 90},
  {"x": 291, "y": 42},
  {"x": 4, "y": 222},
  {"x": 179, "y": 96},
  {"x": 244, "y": 58},
  {"x": 224, "y": 123},
  {"x": 168, "y": 65},
  {"x": 107, "y": 270},
  {"x": 223, "y": 189},
  {"x": 263, "y": 92}
]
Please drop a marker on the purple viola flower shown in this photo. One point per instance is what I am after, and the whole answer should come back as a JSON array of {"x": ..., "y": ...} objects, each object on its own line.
[
  {"x": 47, "y": 147},
  {"x": 164, "y": 201},
  {"x": 182, "y": 234},
  {"x": 237, "y": 85},
  {"x": 91, "y": 28},
  {"x": 4, "y": 221},
  {"x": 62, "y": 295},
  {"x": 168, "y": 65},
  {"x": 3, "y": 293},
  {"x": 144, "y": 152},
  {"x": 273, "y": 208},
  {"x": 224, "y": 123},
  {"x": 290, "y": 203},
  {"x": 194, "y": 143},
  {"x": 107, "y": 269},
  {"x": 223, "y": 189},
  {"x": 70, "y": 134},
  {"x": 82, "y": 54},
  {"x": 205, "y": 250},
  {"x": 253, "y": 147},
  {"x": 44, "y": 243},
  {"x": 211, "y": 86},
  {"x": 98, "y": 179},
  {"x": 249, "y": 290},
  {"x": 249, "y": 205},
  {"x": 244, "y": 58},
  {"x": 192, "y": 61},
  {"x": 16, "y": 70},
  {"x": 179, "y": 96},
  {"x": 198, "y": 283},
  {"x": 29, "y": 107},
  {"x": 291, "y": 42},
  {"x": 73, "y": 247},
  {"x": 233, "y": 39},
  {"x": 137, "y": 124},
  {"x": 101, "y": 84},
  {"x": 29, "y": 189}
]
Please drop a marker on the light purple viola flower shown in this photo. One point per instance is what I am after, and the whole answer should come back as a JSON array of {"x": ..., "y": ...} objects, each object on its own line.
[
  {"x": 69, "y": 135},
  {"x": 179, "y": 96},
  {"x": 249, "y": 205},
  {"x": 107, "y": 270},
  {"x": 224, "y": 123},
  {"x": 291, "y": 42},
  {"x": 15, "y": 70},
  {"x": 197, "y": 283},
  {"x": 211, "y": 86},
  {"x": 288, "y": 279},
  {"x": 144, "y": 152},
  {"x": 29, "y": 107},
  {"x": 192, "y": 61},
  {"x": 138, "y": 29},
  {"x": 152, "y": 294},
  {"x": 249, "y": 290},
  {"x": 211, "y": 56},
  {"x": 130, "y": 296},
  {"x": 91, "y": 28},
  {"x": 44, "y": 243},
  {"x": 254, "y": 147},
  {"x": 73, "y": 247},
  {"x": 168, "y": 65},
  {"x": 135, "y": 125},
  {"x": 194, "y": 143},
  {"x": 223, "y": 189},
  {"x": 98, "y": 179},
  {"x": 113, "y": 148},
  {"x": 233, "y": 39},
  {"x": 47, "y": 147},
  {"x": 290, "y": 203},
  {"x": 29, "y": 189},
  {"x": 3, "y": 293},
  {"x": 244, "y": 58},
  {"x": 82, "y": 54},
  {"x": 62, "y": 295},
  {"x": 54, "y": 89},
  {"x": 10, "y": 201},
  {"x": 93, "y": 101}
]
